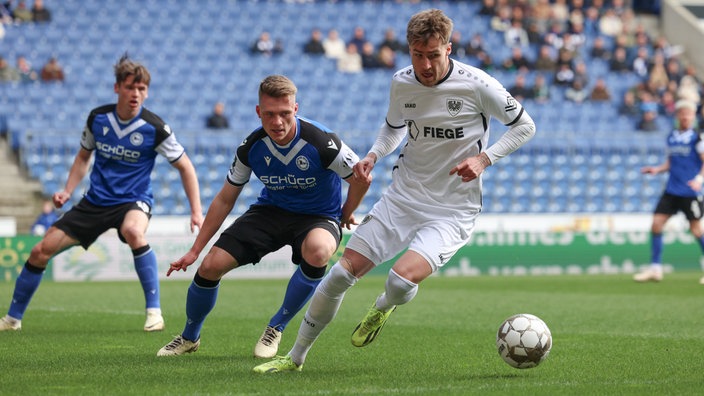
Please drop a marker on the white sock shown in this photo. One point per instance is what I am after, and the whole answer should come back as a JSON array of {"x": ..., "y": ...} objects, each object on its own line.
[
  {"x": 322, "y": 309},
  {"x": 399, "y": 291}
]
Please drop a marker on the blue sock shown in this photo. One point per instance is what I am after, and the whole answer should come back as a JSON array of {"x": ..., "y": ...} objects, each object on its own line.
[
  {"x": 145, "y": 265},
  {"x": 199, "y": 303},
  {"x": 656, "y": 245},
  {"x": 26, "y": 284},
  {"x": 299, "y": 291}
]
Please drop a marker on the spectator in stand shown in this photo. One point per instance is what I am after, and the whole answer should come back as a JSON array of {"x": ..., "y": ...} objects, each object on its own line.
[
  {"x": 52, "y": 71},
  {"x": 517, "y": 61},
  {"x": 475, "y": 45},
  {"x": 542, "y": 15},
  {"x": 560, "y": 12},
  {"x": 486, "y": 62},
  {"x": 502, "y": 20},
  {"x": 387, "y": 58},
  {"x": 217, "y": 119},
  {"x": 639, "y": 65},
  {"x": 392, "y": 42},
  {"x": 619, "y": 62},
  {"x": 581, "y": 73},
  {"x": 6, "y": 17},
  {"x": 545, "y": 61},
  {"x": 576, "y": 92},
  {"x": 599, "y": 50},
  {"x": 39, "y": 12},
  {"x": 674, "y": 70},
  {"x": 591, "y": 21},
  {"x": 21, "y": 13},
  {"x": 45, "y": 220},
  {"x": 334, "y": 46},
  {"x": 516, "y": 35},
  {"x": 629, "y": 106},
  {"x": 600, "y": 92},
  {"x": 351, "y": 61},
  {"x": 540, "y": 90},
  {"x": 264, "y": 45},
  {"x": 689, "y": 89},
  {"x": 7, "y": 72},
  {"x": 519, "y": 90},
  {"x": 27, "y": 74},
  {"x": 648, "y": 118},
  {"x": 370, "y": 60},
  {"x": 457, "y": 47},
  {"x": 488, "y": 8},
  {"x": 657, "y": 75},
  {"x": 610, "y": 23},
  {"x": 314, "y": 45},
  {"x": 359, "y": 38},
  {"x": 564, "y": 75},
  {"x": 667, "y": 104}
]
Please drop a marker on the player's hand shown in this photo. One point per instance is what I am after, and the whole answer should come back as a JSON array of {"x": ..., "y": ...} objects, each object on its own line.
[
  {"x": 196, "y": 222},
  {"x": 182, "y": 263},
  {"x": 695, "y": 184},
  {"x": 471, "y": 168},
  {"x": 363, "y": 169},
  {"x": 348, "y": 222},
  {"x": 648, "y": 170},
  {"x": 60, "y": 198}
]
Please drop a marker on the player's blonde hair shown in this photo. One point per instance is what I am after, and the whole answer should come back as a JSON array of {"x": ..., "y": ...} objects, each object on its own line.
[
  {"x": 126, "y": 67},
  {"x": 429, "y": 23},
  {"x": 277, "y": 86}
]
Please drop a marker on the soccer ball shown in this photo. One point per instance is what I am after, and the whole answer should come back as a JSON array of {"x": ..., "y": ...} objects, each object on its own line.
[{"x": 523, "y": 341}]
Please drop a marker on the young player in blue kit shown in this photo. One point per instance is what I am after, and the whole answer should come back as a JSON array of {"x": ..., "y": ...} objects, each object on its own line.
[
  {"x": 683, "y": 192},
  {"x": 301, "y": 164},
  {"x": 126, "y": 138}
]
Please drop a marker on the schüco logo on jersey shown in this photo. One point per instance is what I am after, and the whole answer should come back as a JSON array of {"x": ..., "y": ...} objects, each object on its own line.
[{"x": 118, "y": 152}]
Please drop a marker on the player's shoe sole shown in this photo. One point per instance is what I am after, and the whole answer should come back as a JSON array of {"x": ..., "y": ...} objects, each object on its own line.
[
  {"x": 278, "y": 365},
  {"x": 368, "y": 329}
]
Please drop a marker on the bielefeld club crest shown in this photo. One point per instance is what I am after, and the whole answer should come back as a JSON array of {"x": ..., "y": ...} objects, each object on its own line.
[{"x": 454, "y": 106}]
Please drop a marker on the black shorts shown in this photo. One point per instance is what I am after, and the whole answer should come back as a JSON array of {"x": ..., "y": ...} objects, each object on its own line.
[
  {"x": 86, "y": 222},
  {"x": 264, "y": 229},
  {"x": 692, "y": 207}
]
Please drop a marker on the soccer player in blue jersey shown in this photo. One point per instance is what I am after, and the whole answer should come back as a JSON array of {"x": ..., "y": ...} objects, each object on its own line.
[
  {"x": 126, "y": 138},
  {"x": 442, "y": 109},
  {"x": 683, "y": 192},
  {"x": 301, "y": 164}
]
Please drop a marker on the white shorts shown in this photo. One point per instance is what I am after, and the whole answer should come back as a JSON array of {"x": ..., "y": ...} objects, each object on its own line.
[{"x": 390, "y": 227}]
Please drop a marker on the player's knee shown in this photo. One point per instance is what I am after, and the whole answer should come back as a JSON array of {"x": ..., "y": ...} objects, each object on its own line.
[
  {"x": 337, "y": 281},
  {"x": 399, "y": 290},
  {"x": 318, "y": 256},
  {"x": 40, "y": 254}
]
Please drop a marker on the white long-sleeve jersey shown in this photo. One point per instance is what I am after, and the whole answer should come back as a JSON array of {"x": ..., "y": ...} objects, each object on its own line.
[{"x": 444, "y": 125}]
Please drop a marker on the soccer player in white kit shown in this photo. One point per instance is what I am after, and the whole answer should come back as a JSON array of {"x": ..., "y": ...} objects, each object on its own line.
[{"x": 443, "y": 108}]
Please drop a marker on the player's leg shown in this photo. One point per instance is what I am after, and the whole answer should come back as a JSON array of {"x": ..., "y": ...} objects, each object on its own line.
[
  {"x": 432, "y": 245},
  {"x": 694, "y": 216},
  {"x": 200, "y": 300},
  {"x": 315, "y": 251},
  {"x": 323, "y": 307},
  {"x": 663, "y": 211},
  {"x": 132, "y": 230},
  {"x": 27, "y": 282}
]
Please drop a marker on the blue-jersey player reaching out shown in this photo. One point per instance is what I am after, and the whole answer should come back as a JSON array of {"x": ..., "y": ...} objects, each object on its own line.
[
  {"x": 126, "y": 138},
  {"x": 683, "y": 192},
  {"x": 301, "y": 164}
]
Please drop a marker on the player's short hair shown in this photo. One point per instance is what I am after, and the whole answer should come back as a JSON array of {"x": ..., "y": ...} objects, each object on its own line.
[
  {"x": 126, "y": 67},
  {"x": 277, "y": 86},
  {"x": 685, "y": 104},
  {"x": 429, "y": 23}
]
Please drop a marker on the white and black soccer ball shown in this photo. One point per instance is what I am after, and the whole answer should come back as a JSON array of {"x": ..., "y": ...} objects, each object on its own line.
[{"x": 523, "y": 341}]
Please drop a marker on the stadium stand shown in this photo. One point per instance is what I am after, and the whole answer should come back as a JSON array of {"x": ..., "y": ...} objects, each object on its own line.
[{"x": 585, "y": 158}]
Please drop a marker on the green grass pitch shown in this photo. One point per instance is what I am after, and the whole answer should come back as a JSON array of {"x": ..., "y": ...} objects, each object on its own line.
[{"x": 611, "y": 337}]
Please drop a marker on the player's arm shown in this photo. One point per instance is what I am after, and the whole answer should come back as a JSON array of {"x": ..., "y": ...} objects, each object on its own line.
[
  {"x": 78, "y": 171},
  {"x": 516, "y": 136},
  {"x": 654, "y": 170},
  {"x": 218, "y": 211},
  {"x": 698, "y": 181},
  {"x": 189, "y": 179},
  {"x": 356, "y": 190}
]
